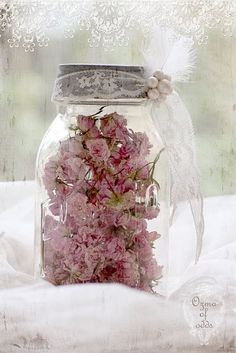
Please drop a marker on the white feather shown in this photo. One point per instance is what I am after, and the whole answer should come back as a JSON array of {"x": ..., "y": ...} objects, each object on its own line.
[
  {"x": 180, "y": 60},
  {"x": 172, "y": 54}
]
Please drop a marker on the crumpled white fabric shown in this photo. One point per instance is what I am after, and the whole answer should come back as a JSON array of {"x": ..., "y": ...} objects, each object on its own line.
[{"x": 38, "y": 317}]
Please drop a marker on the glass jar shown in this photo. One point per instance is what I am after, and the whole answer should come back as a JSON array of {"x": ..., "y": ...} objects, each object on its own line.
[{"x": 102, "y": 209}]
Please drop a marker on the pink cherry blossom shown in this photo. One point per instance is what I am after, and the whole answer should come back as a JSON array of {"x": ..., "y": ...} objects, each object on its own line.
[
  {"x": 114, "y": 126},
  {"x": 75, "y": 147},
  {"x": 96, "y": 217},
  {"x": 76, "y": 203},
  {"x": 85, "y": 123},
  {"x": 98, "y": 149},
  {"x": 116, "y": 248},
  {"x": 75, "y": 168}
]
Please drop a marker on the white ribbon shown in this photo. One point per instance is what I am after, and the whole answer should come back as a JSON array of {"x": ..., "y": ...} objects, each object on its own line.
[
  {"x": 176, "y": 131},
  {"x": 174, "y": 56}
]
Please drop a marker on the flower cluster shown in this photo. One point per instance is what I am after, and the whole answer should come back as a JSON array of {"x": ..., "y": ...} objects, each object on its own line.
[{"x": 98, "y": 185}]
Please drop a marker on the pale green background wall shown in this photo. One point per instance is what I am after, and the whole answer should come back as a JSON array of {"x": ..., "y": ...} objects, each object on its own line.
[{"x": 26, "y": 110}]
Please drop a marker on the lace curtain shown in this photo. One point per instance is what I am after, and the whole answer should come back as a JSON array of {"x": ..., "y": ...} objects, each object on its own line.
[{"x": 109, "y": 22}]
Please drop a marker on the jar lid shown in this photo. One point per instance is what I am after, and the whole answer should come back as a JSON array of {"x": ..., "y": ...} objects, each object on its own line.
[
  {"x": 79, "y": 82},
  {"x": 69, "y": 68}
]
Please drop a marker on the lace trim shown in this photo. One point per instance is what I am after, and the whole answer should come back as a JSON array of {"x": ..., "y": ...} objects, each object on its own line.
[
  {"x": 110, "y": 22},
  {"x": 98, "y": 84}
]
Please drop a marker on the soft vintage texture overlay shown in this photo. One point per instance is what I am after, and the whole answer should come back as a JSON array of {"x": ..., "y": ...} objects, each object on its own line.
[{"x": 35, "y": 36}]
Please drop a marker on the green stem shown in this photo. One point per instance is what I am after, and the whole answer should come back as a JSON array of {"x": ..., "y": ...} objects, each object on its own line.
[{"x": 155, "y": 162}]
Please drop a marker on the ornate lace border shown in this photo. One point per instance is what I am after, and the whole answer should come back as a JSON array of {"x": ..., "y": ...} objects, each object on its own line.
[{"x": 110, "y": 23}]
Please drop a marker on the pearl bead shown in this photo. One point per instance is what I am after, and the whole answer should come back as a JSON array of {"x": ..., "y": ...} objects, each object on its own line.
[
  {"x": 165, "y": 87},
  {"x": 152, "y": 82},
  {"x": 153, "y": 93},
  {"x": 159, "y": 75}
]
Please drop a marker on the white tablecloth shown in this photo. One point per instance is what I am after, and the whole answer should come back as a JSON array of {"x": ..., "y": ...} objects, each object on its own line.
[{"x": 38, "y": 317}]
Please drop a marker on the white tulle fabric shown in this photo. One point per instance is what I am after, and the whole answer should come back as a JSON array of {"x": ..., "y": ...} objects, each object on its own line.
[
  {"x": 176, "y": 131},
  {"x": 38, "y": 317},
  {"x": 174, "y": 55}
]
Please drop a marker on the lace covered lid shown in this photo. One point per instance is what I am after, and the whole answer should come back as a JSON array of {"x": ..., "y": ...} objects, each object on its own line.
[{"x": 77, "y": 82}]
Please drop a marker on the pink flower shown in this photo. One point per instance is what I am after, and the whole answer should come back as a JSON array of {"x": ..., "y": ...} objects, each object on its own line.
[
  {"x": 108, "y": 217},
  {"x": 75, "y": 168},
  {"x": 98, "y": 149},
  {"x": 128, "y": 270},
  {"x": 96, "y": 227},
  {"x": 85, "y": 123},
  {"x": 122, "y": 201},
  {"x": 116, "y": 248},
  {"x": 152, "y": 236},
  {"x": 142, "y": 142},
  {"x": 129, "y": 199},
  {"x": 127, "y": 150},
  {"x": 76, "y": 203},
  {"x": 50, "y": 174},
  {"x": 122, "y": 219},
  {"x": 75, "y": 147},
  {"x": 125, "y": 185},
  {"x": 151, "y": 212},
  {"x": 136, "y": 224},
  {"x": 59, "y": 240},
  {"x": 53, "y": 179},
  {"x": 104, "y": 192},
  {"x": 142, "y": 171},
  {"x": 114, "y": 126}
]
